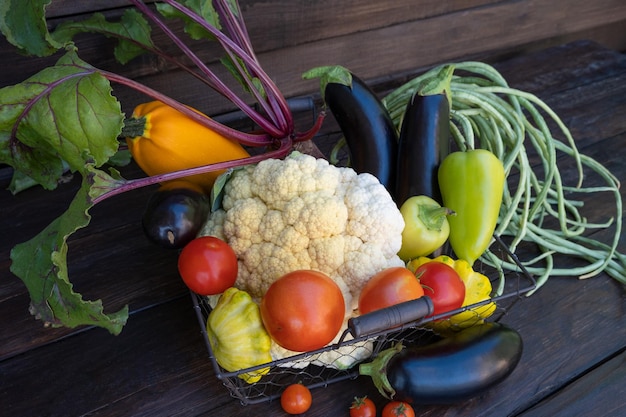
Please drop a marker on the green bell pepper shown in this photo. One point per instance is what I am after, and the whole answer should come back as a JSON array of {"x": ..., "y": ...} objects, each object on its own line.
[{"x": 471, "y": 184}]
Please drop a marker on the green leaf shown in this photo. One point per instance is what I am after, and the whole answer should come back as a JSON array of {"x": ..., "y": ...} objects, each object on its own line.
[
  {"x": 132, "y": 32},
  {"x": 21, "y": 181},
  {"x": 234, "y": 70},
  {"x": 64, "y": 113},
  {"x": 203, "y": 8},
  {"x": 23, "y": 23},
  {"x": 329, "y": 74},
  {"x": 40, "y": 167},
  {"x": 217, "y": 192},
  {"x": 121, "y": 158},
  {"x": 41, "y": 263}
]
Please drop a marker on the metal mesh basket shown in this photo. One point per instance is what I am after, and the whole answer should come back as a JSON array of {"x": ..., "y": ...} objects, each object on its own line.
[{"x": 339, "y": 361}]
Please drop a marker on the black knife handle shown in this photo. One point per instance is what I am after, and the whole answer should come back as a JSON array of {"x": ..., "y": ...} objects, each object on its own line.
[{"x": 390, "y": 317}]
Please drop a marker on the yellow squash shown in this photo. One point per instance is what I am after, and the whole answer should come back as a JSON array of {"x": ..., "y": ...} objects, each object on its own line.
[
  {"x": 171, "y": 141},
  {"x": 237, "y": 335}
]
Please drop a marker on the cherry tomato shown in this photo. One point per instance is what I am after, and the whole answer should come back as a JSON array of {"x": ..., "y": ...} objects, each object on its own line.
[
  {"x": 389, "y": 287},
  {"x": 208, "y": 265},
  {"x": 362, "y": 407},
  {"x": 443, "y": 285},
  {"x": 296, "y": 399},
  {"x": 398, "y": 409},
  {"x": 303, "y": 310}
]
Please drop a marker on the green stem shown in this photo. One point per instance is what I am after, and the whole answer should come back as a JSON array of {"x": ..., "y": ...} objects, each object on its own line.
[
  {"x": 433, "y": 216},
  {"x": 439, "y": 84},
  {"x": 377, "y": 370},
  {"x": 133, "y": 127}
]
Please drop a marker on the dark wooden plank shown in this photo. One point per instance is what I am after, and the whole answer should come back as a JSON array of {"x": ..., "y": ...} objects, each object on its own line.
[
  {"x": 274, "y": 20},
  {"x": 581, "y": 63},
  {"x": 272, "y": 24},
  {"x": 581, "y": 91},
  {"x": 146, "y": 370},
  {"x": 280, "y": 24},
  {"x": 65, "y": 8},
  {"x": 417, "y": 38},
  {"x": 592, "y": 395}
]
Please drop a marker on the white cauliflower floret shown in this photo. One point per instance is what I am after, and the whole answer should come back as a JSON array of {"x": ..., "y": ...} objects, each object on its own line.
[
  {"x": 366, "y": 200},
  {"x": 215, "y": 223},
  {"x": 317, "y": 215},
  {"x": 245, "y": 216},
  {"x": 342, "y": 357},
  {"x": 241, "y": 188},
  {"x": 304, "y": 213}
]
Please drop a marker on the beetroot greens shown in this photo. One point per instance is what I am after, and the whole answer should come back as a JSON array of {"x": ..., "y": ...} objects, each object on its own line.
[{"x": 52, "y": 126}]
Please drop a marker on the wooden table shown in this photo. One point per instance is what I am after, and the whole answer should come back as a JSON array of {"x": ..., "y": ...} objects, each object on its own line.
[{"x": 574, "y": 331}]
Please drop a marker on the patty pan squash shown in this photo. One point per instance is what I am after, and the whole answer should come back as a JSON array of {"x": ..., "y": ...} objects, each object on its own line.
[{"x": 237, "y": 335}]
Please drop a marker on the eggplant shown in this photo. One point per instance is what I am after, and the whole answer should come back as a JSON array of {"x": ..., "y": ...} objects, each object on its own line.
[
  {"x": 367, "y": 127},
  {"x": 424, "y": 140},
  {"x": 174, "y": 214},
  {"x": 450, "y": 370}
]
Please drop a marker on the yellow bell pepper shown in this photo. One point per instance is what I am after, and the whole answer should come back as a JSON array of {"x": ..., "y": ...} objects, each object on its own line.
[
  {"x": 237, "y": 335},
  {"x": 477, "y": 289},
  {"x": 171, "y": 141}
]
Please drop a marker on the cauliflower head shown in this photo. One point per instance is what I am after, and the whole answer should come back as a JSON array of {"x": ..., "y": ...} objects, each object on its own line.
[{"x": 301, "y": 212}]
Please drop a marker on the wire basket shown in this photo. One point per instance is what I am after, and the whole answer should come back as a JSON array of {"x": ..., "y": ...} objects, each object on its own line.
[{"x": 339, "y": 361}]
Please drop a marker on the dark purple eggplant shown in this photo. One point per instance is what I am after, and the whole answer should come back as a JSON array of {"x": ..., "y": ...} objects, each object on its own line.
[
  {"x": 174, "y": 215},
  {"x": 424, "y": 140},
  {"x": 450, "y": 370},
  {"x": 367, "y": 128}
]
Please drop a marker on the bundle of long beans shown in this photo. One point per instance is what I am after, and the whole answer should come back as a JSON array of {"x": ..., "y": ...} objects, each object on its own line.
[{"x": 514, "y": 124}]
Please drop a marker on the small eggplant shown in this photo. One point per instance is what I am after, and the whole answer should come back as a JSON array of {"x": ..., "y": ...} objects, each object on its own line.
[
  {"x": 367, "y": 128},
  {"x": 424, "y": 140},
  {"x": 174, "y": 214},
  {"x": 450, "y": 370}
]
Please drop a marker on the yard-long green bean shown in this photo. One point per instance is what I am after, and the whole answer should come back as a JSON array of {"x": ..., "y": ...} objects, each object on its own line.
[{"x": 538, "y": 208}]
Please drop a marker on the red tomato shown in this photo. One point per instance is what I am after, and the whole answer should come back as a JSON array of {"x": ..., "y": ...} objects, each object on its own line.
[
  {"x": 208, "y": 265},
  {"x": 443, "y": 285},
  {"x": 398, "y": 409},
  {"x": 303, "y": 310},
  {"x": 362, "y": 407},
  {"x": 296, "y": 399},
  {"x": 389, "y": 287}
]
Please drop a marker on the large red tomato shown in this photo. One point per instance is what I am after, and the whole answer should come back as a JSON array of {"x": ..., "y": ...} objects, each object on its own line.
[
  {"x": 443, "y": 285},
  {"x": 208, "y": 265},
  {"x": 303, "y": 310},
  {"x": 389, "y": 287}
]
